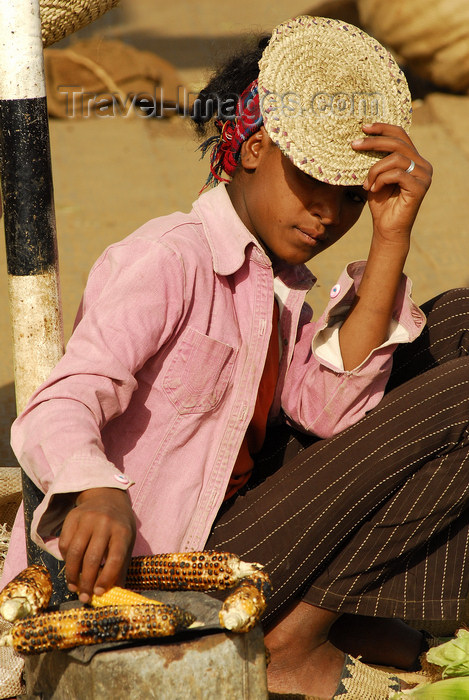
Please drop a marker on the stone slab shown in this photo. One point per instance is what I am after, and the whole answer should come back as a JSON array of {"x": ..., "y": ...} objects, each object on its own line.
[{"x": 211, "y": 667}]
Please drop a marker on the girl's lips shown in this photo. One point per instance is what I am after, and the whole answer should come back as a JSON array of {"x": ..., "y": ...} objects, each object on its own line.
[{"x": 314, "y": 237}]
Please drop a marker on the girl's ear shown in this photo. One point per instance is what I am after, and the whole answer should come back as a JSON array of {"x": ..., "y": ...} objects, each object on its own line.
[{"x": 253, "y": 148}]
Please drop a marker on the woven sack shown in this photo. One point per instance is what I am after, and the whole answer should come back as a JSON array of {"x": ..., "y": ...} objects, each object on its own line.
[
  {"x": 102, "y": 70},
  {"x": 431, "y": 36},
  {"x": 59, "y": 18},
  {"x": 345, "y": 10}
]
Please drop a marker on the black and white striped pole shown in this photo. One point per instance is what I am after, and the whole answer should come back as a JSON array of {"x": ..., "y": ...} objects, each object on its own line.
[{"x": 29, "y": 221}]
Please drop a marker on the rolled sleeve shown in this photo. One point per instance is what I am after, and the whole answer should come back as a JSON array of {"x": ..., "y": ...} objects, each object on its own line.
[
  {"x": 79, "y": 473},
  {"x": 319, "y": 395},
  {"x": 128, "y": 313}
]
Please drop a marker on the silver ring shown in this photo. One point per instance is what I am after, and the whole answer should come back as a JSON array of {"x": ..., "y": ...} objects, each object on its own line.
[{"x": 411, "y": 166}]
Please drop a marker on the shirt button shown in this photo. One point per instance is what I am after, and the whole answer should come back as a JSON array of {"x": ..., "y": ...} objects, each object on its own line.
[
  {"x": 335, "y": 291},
  {"x": 121, "y": 479}
]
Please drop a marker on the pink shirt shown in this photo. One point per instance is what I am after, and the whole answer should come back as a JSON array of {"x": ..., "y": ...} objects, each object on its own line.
[{"x": 160, "y": 378}]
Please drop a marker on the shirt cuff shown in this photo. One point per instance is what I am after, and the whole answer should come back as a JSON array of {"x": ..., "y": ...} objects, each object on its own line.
[
  {"x": 407, "y": 321},
  {"x": 326, "y": 344},
  {"x": 78, "y": 474}
]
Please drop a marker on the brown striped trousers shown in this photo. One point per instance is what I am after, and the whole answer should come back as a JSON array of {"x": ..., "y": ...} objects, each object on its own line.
[{"x": 373, "y": 521}]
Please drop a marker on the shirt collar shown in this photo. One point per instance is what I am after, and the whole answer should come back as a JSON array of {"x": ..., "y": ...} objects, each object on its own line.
[
  {"x": 226, "y": 234},
  {"x": 228, "y": 239}
]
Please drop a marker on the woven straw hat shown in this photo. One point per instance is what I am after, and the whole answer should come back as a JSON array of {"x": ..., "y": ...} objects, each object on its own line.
[
  {"x": 59, "y": 18},
  {"x": 320, "y": 80}
]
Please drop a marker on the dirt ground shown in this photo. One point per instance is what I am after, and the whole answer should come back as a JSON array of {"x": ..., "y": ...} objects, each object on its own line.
[{"x": 113, "y": 174}]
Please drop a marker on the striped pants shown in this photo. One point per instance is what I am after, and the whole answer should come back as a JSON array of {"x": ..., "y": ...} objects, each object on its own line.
[{"x": 374, "y": 521}]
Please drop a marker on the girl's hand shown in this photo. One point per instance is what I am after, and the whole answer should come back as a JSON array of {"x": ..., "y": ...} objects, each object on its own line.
[
  {"x": 97, "y": 540},
  {"x": 394, "y": 195}
]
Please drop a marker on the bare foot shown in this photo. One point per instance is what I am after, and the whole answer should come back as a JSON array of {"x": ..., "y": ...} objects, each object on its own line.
[
  {"x": 302, "y": 658},
  {"x": 305, "y": 661},
  {"x": 314, "y": 672}
]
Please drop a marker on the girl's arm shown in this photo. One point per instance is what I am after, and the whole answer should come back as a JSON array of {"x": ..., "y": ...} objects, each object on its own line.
[
  {"x": 394, "y": 197},
  {"x": 133, "y": 301}
]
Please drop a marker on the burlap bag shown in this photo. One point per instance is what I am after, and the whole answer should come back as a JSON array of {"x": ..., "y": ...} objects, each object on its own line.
[
  {"x": 94, "y": 73},
  {"x": 346, "y": 10},
  {"x": 432, "y": 36}
]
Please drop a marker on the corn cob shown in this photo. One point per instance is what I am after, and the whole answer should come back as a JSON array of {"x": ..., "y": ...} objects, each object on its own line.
[
  {"x": 193, "y": 571},
  {"x": 65, "y": 629},
  {"x": 243, "y": 608},
  {"x": 26, "y": 594},
  {"x": 120, "y": 596}
]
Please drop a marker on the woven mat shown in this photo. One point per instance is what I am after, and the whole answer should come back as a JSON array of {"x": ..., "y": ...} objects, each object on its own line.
[
  {"x": 60, "y": 18},
  {"x": 11, "y": 667}
]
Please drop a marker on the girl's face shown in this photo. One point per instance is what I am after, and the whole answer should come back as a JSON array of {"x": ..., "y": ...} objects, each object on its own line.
[{"x": 292, "y": 215}]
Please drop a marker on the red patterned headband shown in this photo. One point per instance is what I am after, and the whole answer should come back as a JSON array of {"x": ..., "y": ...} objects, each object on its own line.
[{"x": 226, "y": 147}]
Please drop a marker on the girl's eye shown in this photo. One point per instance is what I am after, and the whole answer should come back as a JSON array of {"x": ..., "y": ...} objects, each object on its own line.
[{"x": 357, "y": 196}]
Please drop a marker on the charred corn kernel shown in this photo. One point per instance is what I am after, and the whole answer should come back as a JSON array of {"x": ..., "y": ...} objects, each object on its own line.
[
  {"x": 26, "y": 594},
  {"x": 243, "y": 608},
  {"x": 120, "y": 596},
  {"x": 194, "y": 571},
  {"x": 65, "y": 629}
]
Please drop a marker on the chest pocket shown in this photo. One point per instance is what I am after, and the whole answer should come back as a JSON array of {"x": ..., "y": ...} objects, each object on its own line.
[{"x": 199, "y": 372}]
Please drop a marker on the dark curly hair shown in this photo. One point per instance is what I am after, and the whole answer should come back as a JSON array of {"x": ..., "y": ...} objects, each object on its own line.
[{"x": 219, "y": 98}]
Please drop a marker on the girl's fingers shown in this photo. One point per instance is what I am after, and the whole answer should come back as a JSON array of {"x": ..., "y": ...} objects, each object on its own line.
[
  {"x": 100, "y": 561},
  {"x": 73, "y": 545},
  {"x": 92, "y": 562},
  {"x": 400, "y": 153},
  {"x": 393, "y": 163},
  {"x": 115, "y": 567},
  {"x": 380, "y": 128},
  {"x": 397, "y": 176},
  {"x": 387, "y": 138},
  {"x": 385, "y": 144}
]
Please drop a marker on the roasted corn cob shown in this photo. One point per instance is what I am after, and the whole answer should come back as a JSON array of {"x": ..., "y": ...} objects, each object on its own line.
[
  {"x": 65, "y": 629},
  {"x": 120, "y": 596},
  {"x": 243, "y": 608},
  {"x": 26, "y": 594},
  {"x": 193, "y": 571}
]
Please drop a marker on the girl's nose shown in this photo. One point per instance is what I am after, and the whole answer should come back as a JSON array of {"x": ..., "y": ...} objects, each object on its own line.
[{"x": 328, "y": 205}]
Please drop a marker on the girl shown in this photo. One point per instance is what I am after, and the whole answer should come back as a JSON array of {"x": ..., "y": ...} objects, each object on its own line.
[{"x": 150, "y": 434}]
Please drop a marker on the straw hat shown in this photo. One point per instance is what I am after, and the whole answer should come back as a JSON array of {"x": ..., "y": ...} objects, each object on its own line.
[
  {"x": 320, "y": 80},
  {"x": 59, "y": 18}
]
